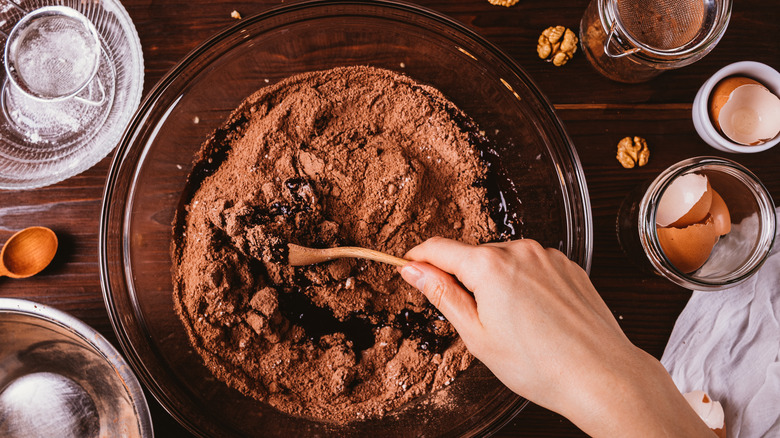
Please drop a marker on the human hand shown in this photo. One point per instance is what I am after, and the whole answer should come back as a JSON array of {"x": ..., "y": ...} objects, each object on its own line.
[{"x": 538, "y": 323}]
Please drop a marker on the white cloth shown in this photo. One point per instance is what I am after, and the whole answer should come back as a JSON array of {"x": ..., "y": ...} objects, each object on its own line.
[{"x": 727, "y": 344}]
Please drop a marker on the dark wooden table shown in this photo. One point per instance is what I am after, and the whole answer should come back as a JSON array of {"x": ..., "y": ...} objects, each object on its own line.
[{"x": 596, "y": 112}]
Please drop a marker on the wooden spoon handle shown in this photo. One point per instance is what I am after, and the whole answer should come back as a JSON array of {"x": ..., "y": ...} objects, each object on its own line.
[{"x": 300, "y": 255}]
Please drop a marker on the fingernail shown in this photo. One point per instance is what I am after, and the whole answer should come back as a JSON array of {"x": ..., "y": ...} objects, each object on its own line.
[{"x": 413, "y": 276}]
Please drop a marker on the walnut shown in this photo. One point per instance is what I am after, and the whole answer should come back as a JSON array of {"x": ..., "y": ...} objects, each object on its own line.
[
  {"x": 631, "y": 152},
  {"x": 506, "y": 3},
  {"x": 557, "y": 44}
]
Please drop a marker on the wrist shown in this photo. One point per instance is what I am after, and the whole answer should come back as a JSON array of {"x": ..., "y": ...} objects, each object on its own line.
[{"x": 634, "y": 398}]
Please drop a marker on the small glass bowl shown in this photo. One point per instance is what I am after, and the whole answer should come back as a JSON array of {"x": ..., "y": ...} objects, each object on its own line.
[
  {"x": 48, "y": 137},
  {"x": 735, "y": 257}
]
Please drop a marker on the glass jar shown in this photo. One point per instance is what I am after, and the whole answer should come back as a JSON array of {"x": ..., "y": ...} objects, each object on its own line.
[
  {"x": 636, "y": 40},
  {"x": 735, "y": 257}
]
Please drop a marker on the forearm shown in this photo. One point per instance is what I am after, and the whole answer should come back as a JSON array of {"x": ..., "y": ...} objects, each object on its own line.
[
  {"x": 636, "y": 398},
  {"x": 537, "y": 322}
]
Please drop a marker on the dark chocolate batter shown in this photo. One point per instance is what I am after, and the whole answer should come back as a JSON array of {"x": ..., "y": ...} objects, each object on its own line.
[{"x": 350, "y": 156}]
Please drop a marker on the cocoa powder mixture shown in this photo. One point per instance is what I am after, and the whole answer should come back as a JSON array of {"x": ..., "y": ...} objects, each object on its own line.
[{"x": 349, "y": 156}]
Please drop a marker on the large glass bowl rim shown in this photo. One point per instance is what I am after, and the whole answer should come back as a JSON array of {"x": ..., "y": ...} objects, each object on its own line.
[{"x": 580, "y": 197}]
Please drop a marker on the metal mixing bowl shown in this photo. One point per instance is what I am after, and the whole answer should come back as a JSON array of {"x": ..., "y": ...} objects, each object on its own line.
[
  {"x": 61, "y": 378},
  {"x": 153, "y": 161}
]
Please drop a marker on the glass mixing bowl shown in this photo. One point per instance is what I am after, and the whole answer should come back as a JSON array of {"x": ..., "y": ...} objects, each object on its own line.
[{"x": 151, "y": 166}]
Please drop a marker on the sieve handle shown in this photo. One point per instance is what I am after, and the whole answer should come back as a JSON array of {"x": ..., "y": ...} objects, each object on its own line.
[
  {"x": 609, "y": 40},
  {"x": 101, "y": 90}
]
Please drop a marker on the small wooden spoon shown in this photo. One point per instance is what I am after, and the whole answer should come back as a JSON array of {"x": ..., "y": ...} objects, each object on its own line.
[
  {"x": 301, "y": 255},
  {"x": 27, "y": 252}
]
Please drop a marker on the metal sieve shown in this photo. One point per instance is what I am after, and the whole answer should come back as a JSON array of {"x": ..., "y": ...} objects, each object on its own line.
[
  {"x": 635, "y": 40},
  {"x": 52, "y": 53},
  {"x": 665, "y": 24},
  {"x": 664, "y": 29}
]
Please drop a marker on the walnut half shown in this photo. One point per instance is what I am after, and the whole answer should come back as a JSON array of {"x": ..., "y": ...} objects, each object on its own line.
[
  {"x": 632, "y": 151},
  {"x": 506, "y": 3},
  {"x": 557, "y": 44}
]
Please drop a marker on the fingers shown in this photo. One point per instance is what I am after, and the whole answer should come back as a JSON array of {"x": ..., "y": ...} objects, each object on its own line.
[
  {"x": 471, "y": 264},
  {"x": 447, "y": 255},
  {"x": 444, "y": 292}
]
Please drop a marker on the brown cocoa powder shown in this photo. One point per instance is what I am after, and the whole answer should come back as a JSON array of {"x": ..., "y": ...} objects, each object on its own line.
[{"x": 349, "y": 156}]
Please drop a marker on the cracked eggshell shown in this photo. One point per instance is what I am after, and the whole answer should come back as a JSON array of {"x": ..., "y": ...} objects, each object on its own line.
[
  {"x": 688, "y": 248},
  {"x": 745, "y": 111},
  {"x": 710, "y": 411},
  {"x": 686, "y": 201},
  {"x": 721, "y": 92},
  {"x": 720, "y": 214}
]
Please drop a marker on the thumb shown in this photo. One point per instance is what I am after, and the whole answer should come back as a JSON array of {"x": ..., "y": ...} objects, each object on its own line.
[{"x": 446, "y": 294}]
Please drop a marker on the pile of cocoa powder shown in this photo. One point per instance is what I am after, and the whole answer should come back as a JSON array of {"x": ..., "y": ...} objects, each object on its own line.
[{"x": 350, "y": 156}]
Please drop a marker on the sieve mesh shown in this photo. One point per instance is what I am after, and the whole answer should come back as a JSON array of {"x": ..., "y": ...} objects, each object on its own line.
[
  {"x": 665, "y": 24},
  {"x": 55, "y": 56}
]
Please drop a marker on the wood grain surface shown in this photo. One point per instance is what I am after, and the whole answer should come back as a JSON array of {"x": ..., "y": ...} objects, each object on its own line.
[{"x": 597, "y": 113}]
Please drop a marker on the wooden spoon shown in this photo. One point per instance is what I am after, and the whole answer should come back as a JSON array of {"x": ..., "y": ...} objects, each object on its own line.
[
  {"x": 27, "y": 252},
  {"x": 301, "y": 255}
]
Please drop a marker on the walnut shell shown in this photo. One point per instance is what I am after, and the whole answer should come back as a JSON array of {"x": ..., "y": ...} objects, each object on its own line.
[
  {"x": 633, "y": 152},
  {"x": 557, "y": 44}
]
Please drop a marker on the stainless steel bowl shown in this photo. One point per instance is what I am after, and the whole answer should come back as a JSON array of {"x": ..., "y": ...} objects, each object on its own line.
[{"x": 61, "y": 378}]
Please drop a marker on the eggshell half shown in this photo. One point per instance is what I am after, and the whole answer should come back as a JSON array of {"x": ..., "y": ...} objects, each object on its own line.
[
  {"x": 721, "y": 92},
  {"x": 710, "y": 411},
  {"x": 751, "y": 116},
  {"x": 686, "y": 201},
  {"x": 688, "y": 248},
  {"x": 720, "y": 214}
]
